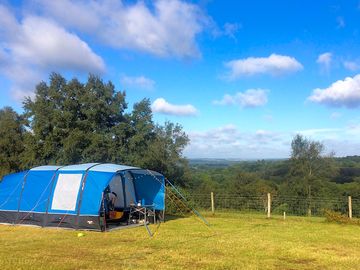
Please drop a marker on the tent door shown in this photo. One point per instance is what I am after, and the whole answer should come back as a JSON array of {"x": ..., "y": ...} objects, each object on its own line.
[
  {"x": 129, "y": 189},
  {"x": 117, "y": 192}
]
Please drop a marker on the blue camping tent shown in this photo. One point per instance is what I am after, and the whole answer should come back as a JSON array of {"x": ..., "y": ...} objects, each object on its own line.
[{"x": 78, "y": 196}]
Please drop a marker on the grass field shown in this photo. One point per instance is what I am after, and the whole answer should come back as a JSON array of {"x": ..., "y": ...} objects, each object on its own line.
[{"x": 235, "y": 241}]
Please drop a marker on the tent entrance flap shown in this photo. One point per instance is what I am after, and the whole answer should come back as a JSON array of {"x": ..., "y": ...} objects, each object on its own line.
[
  {"x": 129, "y": 189},
  {"x": 150, "y": 188}
]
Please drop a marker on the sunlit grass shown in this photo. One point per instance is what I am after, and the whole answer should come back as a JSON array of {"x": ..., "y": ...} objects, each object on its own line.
[{"x": 234, "y": 241}]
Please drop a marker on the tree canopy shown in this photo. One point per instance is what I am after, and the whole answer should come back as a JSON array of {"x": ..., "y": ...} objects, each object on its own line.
[
  {"x": 12, "y": 133},
  {"x": 307, "y": 158}
]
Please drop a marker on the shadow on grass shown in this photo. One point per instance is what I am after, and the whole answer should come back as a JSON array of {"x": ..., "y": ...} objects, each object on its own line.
[{"x": 169, "y": 217}]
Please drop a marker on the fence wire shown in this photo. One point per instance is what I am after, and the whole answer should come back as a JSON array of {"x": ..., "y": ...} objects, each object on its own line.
[{"x": 297, "y": 206}]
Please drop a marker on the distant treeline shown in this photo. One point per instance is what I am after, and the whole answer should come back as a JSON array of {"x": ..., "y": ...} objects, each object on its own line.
[{"x": 330, "y": 178}]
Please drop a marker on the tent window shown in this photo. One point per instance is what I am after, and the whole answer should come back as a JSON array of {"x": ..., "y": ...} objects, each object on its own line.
[
  {"x": 117, "y": 187},
  {"x": 66, "y": 192},
  {"x": 130, "y": 197}
]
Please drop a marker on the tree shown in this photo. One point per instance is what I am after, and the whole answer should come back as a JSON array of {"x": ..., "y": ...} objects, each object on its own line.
[
  {"x": 74, "y": 122},
  {"x": 12, "y": 133},
  {"x": 142, "y": 133},
  {"x": 309, "y": 164},
  {"x": 157, "y": 147},
  {"x": 308, "y": 159},
  {"x": 165, "y": 153}
]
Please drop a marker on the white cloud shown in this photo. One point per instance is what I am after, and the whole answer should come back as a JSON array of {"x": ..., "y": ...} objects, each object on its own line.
[
  {"x": 324, "y": 60},
  {"x": 343, "y": 147},
  {"x": 352, "y": 66},
  {"x": 162, "y": 28},
  {"x": 24, "y": 80},
  {"x": 46, "y": 44},
  {"x": 274, "y": 64},
  {"x": 320, "y": 133},
  {"x": 138, "y": 82},
  {"x": 36, "y": 46},
  {"x": 7, "y": 21},
  {"x": 342, "y": 93},
  {"x": 249, "y": 99},
  {"x": 230, "y": 142},
  {"x": 160, "y": 105}
]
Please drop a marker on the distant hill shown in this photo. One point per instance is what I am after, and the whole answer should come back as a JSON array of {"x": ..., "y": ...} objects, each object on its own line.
[
  {"x": 220, "y": 162},
  {"x": 213, "y": 162}
]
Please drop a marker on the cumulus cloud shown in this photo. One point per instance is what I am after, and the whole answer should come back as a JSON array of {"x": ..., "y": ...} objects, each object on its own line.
[
  {"x": 229, "y": 141},
  {"x": 249, "y": 99},
  {"x": 324, "y": 60},
  {"x": 138, "y": 82},
  {"x": 342, "y": 93},
  {"x": 48, "y": 45},
  {"x": 160, "y": 105},
  {"x": 45, "y": 36},
  {"x": 274, "y": 64},
  {"x": 162, "y": 28},
  {"x": 34, "y": 46}
]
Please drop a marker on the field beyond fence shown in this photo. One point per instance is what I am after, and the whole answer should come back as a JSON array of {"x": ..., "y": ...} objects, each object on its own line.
[{"x": 273, "y": 204}]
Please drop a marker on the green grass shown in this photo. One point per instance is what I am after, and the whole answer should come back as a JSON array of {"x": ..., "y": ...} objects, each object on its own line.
[{"x": 235, "y": 241}]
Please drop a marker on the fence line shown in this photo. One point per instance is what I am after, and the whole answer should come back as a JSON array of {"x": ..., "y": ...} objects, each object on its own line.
[{"x": 277, "y": 204}]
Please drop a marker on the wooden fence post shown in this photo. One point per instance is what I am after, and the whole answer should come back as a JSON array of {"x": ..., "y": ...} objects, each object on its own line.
[
  {"x": 269, "y": 205},
  {"x": 350, "y": 207},
  {"x": 309, "y": 201},
  {"x": 212, "y": 203}
]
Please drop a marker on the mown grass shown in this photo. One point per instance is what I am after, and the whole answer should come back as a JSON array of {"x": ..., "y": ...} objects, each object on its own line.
[{"x": 235, "y": 241}]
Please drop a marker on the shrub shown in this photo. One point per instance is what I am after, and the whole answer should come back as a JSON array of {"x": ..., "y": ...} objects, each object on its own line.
[
  {"x": 282, "y": 208},
  {"x": 332, "y": 216}
]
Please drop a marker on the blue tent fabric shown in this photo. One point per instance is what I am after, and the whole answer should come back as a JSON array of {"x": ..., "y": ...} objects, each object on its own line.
[
  {"x": 149, "y": 186},
  {"x": 95, "y": 185},
  {"x": 71, "y": 196},
  {"x": 36, "y": 189},
  {"x": 10, "y": 191}
]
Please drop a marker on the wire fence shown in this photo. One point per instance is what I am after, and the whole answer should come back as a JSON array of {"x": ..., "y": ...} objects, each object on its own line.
[{"x": 297, "y": 206}]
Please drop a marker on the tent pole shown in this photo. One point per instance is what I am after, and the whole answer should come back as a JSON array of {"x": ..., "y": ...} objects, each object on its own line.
[
  {"x": 190, "y": 207},
  {"x": 184, "y": 201},
  {"x": 20, "y": 197},
  {"x": 83, "y": 182}
]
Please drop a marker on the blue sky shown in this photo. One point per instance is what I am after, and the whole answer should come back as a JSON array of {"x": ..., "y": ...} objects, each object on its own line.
[{"x": 241, "y": 77}]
